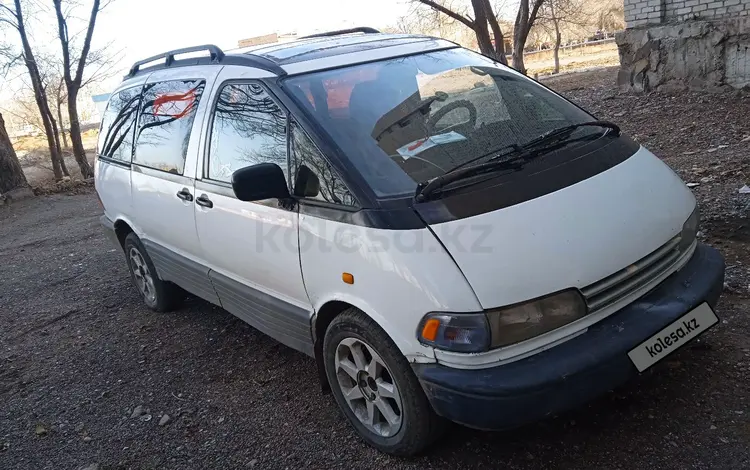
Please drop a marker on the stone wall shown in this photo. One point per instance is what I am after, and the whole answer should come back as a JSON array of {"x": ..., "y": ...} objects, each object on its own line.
[{"x": 685, "y": 44}]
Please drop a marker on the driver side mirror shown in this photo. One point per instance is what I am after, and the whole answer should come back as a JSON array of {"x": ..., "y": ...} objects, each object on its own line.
[{"x": 258, "y": 182}]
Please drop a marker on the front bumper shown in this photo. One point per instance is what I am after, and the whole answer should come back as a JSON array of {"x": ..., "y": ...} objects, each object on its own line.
[{"x": 577, "y": 371}]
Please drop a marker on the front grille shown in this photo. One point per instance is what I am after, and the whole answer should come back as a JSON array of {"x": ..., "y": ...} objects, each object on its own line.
[{"x": 617, "y": 286}]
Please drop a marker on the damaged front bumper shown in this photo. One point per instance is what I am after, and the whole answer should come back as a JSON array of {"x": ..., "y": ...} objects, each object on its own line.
[{"x": 574, "y": 372}]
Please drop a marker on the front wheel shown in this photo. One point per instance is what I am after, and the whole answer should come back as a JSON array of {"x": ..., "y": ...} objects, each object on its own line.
[{"x": 375, "y": 387}]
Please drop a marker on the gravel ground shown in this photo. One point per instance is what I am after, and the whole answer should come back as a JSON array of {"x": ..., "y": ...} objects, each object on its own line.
[{"x": 89, "y": 376}]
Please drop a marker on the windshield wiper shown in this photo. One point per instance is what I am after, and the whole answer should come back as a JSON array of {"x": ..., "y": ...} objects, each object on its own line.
[
  {"x": 426, "y": 188},
  {"x": 565, "y": 131},
  {"x": 548, "y": 136},
  {"x": 523, "y": 154}
]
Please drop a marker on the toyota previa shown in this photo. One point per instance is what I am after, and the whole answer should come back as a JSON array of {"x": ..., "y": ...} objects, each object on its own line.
[{"x": 447, "y": 238}]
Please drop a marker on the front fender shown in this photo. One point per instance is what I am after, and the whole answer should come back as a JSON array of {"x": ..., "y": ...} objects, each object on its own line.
[{"x": 398, "y": 276}]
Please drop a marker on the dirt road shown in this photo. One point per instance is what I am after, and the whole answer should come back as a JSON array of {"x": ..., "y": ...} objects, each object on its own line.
[{"x": 79, "y": 352}]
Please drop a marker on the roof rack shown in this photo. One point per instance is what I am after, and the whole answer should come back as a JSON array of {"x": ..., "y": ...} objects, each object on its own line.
[
  {"x": 339, "y": 32},
  {"x": 216, "y": 56}
]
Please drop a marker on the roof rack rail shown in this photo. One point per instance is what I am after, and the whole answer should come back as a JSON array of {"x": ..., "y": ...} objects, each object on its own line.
[
  {"x": 360, "y": 29},
  {"x": 216, "y": 55},
  {"x": 257, "y": 61}
]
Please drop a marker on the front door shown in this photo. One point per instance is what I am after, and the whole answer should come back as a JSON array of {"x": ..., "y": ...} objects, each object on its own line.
[{"x": 251, "y": 247}]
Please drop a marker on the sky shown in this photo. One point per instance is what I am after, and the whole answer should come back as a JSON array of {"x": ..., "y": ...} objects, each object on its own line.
[
  {"x": 142, "y": 28},
  {"x": 147, "y": 27}
]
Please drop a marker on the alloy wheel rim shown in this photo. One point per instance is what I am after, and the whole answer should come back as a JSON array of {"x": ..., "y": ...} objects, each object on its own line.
[
  {"x": 368, "y": 387},
  {"x": 143, "y": 278}
]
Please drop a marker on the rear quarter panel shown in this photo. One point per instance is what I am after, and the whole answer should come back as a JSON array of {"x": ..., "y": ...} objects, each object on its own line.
[{"x": 113, "y": 185}]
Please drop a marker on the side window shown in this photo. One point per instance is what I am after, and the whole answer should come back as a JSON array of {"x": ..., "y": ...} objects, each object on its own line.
[
  {"x": 118, "y": 122},
  {"x": 308, "y": 159},
  {"x": 248, "y": 128},
  {"x": 165, "y": 124}
]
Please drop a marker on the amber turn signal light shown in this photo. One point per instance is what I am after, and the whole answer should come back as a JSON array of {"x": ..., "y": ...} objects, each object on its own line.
[{"x": 430, "y": 329}]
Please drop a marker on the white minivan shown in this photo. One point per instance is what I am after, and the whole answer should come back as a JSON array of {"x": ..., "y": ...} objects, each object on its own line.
[{"x": 449, "y": 239}]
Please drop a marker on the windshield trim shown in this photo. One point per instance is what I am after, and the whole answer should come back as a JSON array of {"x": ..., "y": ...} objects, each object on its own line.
[{"x": 341, "y": 61}]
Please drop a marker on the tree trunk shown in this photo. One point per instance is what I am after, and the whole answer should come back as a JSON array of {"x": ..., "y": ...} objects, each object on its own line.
[
  {"x": 54, "y": 155},
  {"x": 518, "y": 63},
  {"x": 63, "y": 166},
  {"x": 497, "y": 33},
  {"x": 56, "y": 131},
  {"x": 481, "y": 30},
  {"x": 60, "y": 120},
  {"x": 519, "y": 38},
  {"x": 558, "y": 39},
  {"x": 39, "y": 95},
  {"x": 75, "y": 136},
  {"x": 73, "y": 81},
  {"x": 11, "y": 174},
  {"x": 483, "y": 15},
  {"x": 524, "y": 21}
]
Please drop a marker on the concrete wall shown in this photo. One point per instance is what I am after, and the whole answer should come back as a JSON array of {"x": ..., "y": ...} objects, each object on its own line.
[
  {"x": 643, "y": 12},
  {"x": 684, "y": 44}
]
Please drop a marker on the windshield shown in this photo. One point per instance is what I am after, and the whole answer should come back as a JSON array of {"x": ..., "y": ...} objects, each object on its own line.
[{"x": 410, "y": 119}]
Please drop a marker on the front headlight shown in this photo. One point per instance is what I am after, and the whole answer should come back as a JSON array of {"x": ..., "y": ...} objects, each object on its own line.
[
  {"x": 478, "y": 332},
  {"x": 689, "y": 230},
  {"x": 524, "y": 321}
]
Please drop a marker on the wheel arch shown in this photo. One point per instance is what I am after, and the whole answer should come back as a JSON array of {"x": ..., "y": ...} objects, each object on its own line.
[
  {"x": 330, "y": 309},
  {"x": 123, "y": 227},
  {"x": 320, "y": 321}
]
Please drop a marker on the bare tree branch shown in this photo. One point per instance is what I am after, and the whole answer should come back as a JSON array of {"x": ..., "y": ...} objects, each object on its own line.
[
  {"x": 11, "y": 12},
  {"x": 534, "y": 12},
  {"x": 11, "y": 23},
  {"x": 442, "y": 9},
  {"x": 87, "y": 42}
]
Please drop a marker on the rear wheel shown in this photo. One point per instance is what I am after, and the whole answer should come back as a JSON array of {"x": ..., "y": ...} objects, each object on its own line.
[
  {"x": 375, "y": 387},
  {"x": 158, "y": 295}
]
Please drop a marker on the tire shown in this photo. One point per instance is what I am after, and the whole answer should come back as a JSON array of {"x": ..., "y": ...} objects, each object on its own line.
[
  {"x": 158, "y": 295},
  {"x": 414, "y": 426}
]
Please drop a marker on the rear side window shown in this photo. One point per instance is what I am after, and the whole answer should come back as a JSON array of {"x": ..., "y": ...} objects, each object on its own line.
[
  {"x": 165, "y": 124},
  {"x": 118, "y": 125},
  {"x": 248, "y": 128}
]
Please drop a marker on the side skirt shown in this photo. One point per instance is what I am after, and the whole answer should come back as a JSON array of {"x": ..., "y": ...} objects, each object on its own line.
[
  {"x": 282, "y": 321},
  {"x": 286, "y": 323}
]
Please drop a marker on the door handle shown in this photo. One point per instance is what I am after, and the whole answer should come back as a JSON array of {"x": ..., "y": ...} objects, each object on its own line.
[
  {"x": 204, "y": 201},
  {"x": 185, "y": 195}
]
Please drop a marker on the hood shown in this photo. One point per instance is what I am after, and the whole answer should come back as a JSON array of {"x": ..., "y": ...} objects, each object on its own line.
[{"x": 572, "y": 237}]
